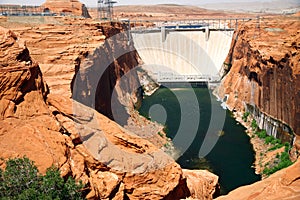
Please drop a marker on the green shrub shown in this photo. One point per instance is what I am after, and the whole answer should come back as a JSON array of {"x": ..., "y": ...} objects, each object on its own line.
[
  {"x": 277, "y": 146},
  {"x": 160, "y": 134},
  {"x": 269, "y": 139},
  {"x": 21, "y": 180},
  {"x": 287, "y": 146},
  {"x": 276, "y": 141},
  {"x": 167, "y": 145},
  {"x": 245, "y": 116},
  {"x": 254, "y": 125},
  {"x": 262, "y": 134},
  {"x": 283, "y": 163},
  {"x": 284, "y": 156}
]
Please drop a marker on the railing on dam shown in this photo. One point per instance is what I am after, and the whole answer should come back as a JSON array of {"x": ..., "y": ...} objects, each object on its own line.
[
  {"x": 164, "y": 77},
  {"x": 195, "y": 24}
]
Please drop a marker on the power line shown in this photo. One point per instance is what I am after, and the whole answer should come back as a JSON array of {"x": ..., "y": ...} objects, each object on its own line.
[{"x": 105, "y": 9}]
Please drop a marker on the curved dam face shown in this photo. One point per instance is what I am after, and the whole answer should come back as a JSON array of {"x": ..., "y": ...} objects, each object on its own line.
[{"x": 183, "y": 52}]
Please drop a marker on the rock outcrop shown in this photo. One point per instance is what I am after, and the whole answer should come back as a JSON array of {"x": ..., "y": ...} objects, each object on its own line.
[
  {"x": 102, "y": 54},
  {"x": 43, "y": 127},
  {"x": 71, "y": 7},
  {"x": 284, "y": 184},
  {"x": 202, "y": 184},
  {"x": 41, "y": 120},
  {"x": 27, "y": 124},
  {"x": 264, "y": 70}
]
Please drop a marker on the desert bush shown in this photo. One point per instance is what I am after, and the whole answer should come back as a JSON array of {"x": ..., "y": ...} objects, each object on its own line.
[
  {"x": 284, "y": 161},
  {"x": 262, "y": 134},
  {"x": 254, "y": 125},
  {"x": 21, "y": 180},
  {"x": 245, "y": 116}
]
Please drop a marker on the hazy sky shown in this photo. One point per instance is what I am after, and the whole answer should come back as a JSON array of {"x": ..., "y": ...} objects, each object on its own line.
[{"x": 126, "y": 2}]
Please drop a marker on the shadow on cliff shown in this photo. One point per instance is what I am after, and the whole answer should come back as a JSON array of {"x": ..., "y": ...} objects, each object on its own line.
[{"x": 96, "y": 77}]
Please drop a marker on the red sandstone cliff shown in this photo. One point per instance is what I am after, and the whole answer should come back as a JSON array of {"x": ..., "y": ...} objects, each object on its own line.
[
  {"x": 26, "y": 122},
  {"x": 38, "y": 119},
  {"x": 73, "y": 7},
  {"x": 264, "y": 69},
  {"x": 44, "y": 128}
]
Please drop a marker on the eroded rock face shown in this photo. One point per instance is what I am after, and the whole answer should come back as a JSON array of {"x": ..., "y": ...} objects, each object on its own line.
[
  {"x": 284, "y": 184},
  {"x": 26, "y": 122},
  {"x": 41, "y": 123},
  {"x": 85, "y": 60},
  {"x": 73, "y": 7},
  {"x": 92, "y": 56},
  {"x": 264, "y": 72},
  {"x": 202, "y": 184},
  {"x": 265, "y": 69}
]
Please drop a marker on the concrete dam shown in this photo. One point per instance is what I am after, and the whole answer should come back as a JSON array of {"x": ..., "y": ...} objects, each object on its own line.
[{"x": 183, "y": 55}]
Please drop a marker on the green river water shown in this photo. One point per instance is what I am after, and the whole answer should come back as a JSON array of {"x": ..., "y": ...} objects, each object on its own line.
[{"x": 231, "y": 157}]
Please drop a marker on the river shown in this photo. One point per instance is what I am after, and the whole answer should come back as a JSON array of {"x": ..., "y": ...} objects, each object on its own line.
[{"x": 231, "y": 157}]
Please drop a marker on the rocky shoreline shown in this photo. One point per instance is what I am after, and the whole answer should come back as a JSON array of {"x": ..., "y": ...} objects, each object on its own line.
[
  {"x": 259, "y": 147},
  {"x": 262, "y": 155}
]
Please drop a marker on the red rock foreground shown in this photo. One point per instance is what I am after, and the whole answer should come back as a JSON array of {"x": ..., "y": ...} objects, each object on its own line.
[{"x": 38, "y": 121}]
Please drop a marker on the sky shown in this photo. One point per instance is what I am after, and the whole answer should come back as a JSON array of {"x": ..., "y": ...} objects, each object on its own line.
[{"x": 93, "y": 3}]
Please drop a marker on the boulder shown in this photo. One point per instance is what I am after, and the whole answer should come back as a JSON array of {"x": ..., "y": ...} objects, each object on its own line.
[{"x": 202, "y": 184}]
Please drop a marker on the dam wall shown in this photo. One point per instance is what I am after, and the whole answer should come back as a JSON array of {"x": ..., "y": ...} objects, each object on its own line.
[{"x": 183, "y": 52}]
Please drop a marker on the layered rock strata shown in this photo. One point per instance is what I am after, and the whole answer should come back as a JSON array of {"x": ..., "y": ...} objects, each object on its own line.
[
  {"x": 92, "y": 56},
  {"x": 264, "y": 74},
  {"x": 44, "y": 128},
  {"x": 264, "y": 78}
]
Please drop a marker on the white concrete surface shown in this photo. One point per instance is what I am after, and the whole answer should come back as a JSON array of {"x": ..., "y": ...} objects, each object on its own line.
[{"x": 183, "y": 52}]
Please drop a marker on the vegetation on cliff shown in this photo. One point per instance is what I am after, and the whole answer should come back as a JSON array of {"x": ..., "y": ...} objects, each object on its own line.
[
  {"x": 281, "y": 162},
  {"x": 282, "y": 159},
  {"x": 21, "y": 180}
]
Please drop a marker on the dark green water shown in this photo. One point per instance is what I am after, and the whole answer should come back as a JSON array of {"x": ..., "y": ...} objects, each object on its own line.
[{"x": 232, "y": 155}]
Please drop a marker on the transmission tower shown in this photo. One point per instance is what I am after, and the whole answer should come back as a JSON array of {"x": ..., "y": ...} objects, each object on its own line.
[{"x": 105, "y": 9}]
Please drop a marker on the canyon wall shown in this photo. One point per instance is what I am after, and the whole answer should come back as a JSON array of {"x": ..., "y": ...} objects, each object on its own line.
[
  {"x": 40, "y": 120},
  {"x": 264, "y": 74},
  {"x": 90, "y": 55},
  {"x": 41, "y": 125},
  {"x": 263, "y": 78}
]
